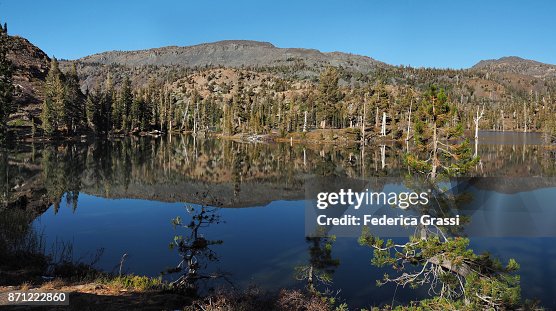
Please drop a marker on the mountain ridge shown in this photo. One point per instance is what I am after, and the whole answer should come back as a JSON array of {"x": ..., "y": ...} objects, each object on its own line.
[
  {"x": 239, "y": 44},
  {"x": 230, "y": 53},
  {"x": 517, "y": 65}
]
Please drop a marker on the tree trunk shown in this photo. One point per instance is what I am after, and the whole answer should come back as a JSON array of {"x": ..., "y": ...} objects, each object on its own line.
[
  {"x": 310, "y": 279},
  {"x": 461, "y": 269},
  {"x": 409, "y": 123},
  {"x": 185, "y": 116},
  {"x": 195, "y": 119},
  {"x": 363, "y": 120},
  {"x": 434, "y": 144},
  {"x": 524, "y": 118},
  {"x": 476, "y": 120},
  {"x": 383, "y": 128},
  {"x": 383, "y": 156}
]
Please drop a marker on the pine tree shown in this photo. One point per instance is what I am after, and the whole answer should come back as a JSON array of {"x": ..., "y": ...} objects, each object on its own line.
[
  {"x": 54, "y": 107},
  {"x": 329, "y": 96},
  {"x": 117, "y": 114},
  {"x": 446, "y": 150},
  {"x": 126, "y": 100},
  {"x": 447, "y": 267},
  {"x": 141, "y": 113},
  {"x": 146, "y": 115},
  {"x": 106, "y": 104},
  {"x": 6, "y": 84},
  {"x": 92, "y": 109},
  {"x": 75, "y": 114},
  {"x": 321, "y": 266},
  {"x": 135, "y": 113}
]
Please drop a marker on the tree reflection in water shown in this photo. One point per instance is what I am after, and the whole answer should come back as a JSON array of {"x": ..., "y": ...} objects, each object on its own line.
[
  {"x": 194, "y": 249},
  {"x": 321, "y": 266}
]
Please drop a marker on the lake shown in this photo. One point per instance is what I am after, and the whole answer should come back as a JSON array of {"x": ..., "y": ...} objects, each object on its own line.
[{"x": 120, "y": 196}]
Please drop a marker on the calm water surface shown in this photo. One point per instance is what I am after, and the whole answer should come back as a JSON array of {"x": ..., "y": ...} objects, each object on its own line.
[{"x": 120, "y": 197}]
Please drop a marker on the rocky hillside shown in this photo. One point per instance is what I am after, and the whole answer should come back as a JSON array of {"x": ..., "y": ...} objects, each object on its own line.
[
  {"x": 30, "y": 66},
  {"x": 169, "y": 63},
  {"x": 233, "y": 53},
  {"x": 496, "y": 80},
  {"x": 517, "y": 65}
]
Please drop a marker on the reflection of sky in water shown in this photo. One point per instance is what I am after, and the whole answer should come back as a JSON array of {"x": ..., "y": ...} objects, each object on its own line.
[
  {"x": 493, "y": 214},
  {"x": 525, "y": 214},
  {"x": 262, "y": 246},
  {"x": 536, "y": 258}
]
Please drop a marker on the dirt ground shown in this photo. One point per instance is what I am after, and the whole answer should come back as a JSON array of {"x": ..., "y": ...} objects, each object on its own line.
[{"x": 102, "y": 297}]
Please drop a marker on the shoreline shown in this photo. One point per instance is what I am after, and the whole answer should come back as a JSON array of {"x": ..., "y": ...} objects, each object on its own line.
[{"x": 346, "y": 136}]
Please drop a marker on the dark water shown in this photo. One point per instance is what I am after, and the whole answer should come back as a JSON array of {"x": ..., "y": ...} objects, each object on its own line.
[{"x": 120, "y": 197}]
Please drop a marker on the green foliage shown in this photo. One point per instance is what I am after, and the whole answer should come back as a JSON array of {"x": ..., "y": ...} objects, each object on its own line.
[
  {"x": 321, "y": 267},
  {"x": 53, "y": 110},
  {"x": 436, "y": 303},
  {"x": 62, "y": 170},
  {"x": 62, "y": 107},
  {"x": 99, "y": 107},
  {"x": 441, "y": 148},
  {"x": 75, "y": 112},
  {"x": 19, "y": 122},
  {"x": 329, "y": 96},
  {"x": 140, "y": 114},
  {"x": 123, "y": 110},
  {"x": 550, "y": 130},
  {"x": 257, "y": 104},
  {"x": 136, "y": 282},
  {"x": 450, "y": 269},
  {"x": 92, "y": 111}
]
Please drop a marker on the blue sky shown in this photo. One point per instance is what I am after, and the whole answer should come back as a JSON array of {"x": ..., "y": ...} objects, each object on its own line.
[{"x": 454, "y": 34}]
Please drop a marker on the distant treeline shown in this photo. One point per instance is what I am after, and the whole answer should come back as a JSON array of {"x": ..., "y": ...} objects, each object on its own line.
[{"x": 268, "y": 105}]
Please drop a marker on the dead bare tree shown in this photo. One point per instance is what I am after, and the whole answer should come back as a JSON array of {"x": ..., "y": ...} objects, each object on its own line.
[
  {"x": 409, "y": 122},
  {"x": 185, "y": 113},
  {"x": 476, "y": 120},
  {"x": 524, "y": 118},
  {"x": 383, "y": 126},
  {"x": 363, "y": 119},
  {"x": 305, "y": 122}
]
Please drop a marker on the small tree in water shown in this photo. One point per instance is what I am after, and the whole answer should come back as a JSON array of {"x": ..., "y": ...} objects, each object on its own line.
[
  {"x": 321, "y": 264},
  {"x": 194, "y": 249}
]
